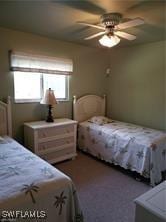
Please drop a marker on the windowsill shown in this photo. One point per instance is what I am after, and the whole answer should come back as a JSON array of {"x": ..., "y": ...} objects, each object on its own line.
[
  {"x": 36, "y": 101},
  {"x": 27, "y": 101}
]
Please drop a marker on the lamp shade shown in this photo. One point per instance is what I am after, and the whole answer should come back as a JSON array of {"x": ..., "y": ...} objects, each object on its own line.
[
  {"x": 49, "y": 97},
  {"x": 109, "y": 41}
]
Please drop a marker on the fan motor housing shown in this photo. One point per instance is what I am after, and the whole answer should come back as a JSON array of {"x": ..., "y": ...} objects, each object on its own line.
[{"x": 111, "y": 19}]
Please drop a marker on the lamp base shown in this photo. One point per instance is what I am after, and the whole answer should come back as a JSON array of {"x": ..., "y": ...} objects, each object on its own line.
[{"x": 50, "y": 118}]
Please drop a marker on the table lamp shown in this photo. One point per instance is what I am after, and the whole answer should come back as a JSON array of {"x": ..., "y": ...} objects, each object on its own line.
[{"x": 50, "y": 100}]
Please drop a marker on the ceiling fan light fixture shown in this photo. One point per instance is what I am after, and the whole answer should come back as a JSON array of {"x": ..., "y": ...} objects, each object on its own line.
[{"x": 109, "y": 41}]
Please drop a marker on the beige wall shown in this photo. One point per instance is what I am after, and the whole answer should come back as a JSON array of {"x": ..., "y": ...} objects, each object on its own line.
[
  {"x": 88, "y": 76},
  {"x": 136, "y": 85}
]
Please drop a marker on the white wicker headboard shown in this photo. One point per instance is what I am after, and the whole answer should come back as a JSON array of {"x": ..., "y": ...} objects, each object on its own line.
[
  {"x": 88, "y": 106},
  {"x": 5, "y": 118}
]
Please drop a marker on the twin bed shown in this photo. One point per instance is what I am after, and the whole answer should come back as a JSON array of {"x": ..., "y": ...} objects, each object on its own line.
[
  {"x": 30, "y": 188},
  {"x": 130, "y": 146}
]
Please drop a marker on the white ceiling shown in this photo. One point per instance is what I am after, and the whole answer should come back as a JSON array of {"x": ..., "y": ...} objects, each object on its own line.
[{"x": 57, "y": 19}]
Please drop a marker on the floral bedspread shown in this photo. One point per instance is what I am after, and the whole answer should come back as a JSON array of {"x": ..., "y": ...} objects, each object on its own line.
[
  {"x": 33, "y": 190},
  {"x": 132, "y": 147}
]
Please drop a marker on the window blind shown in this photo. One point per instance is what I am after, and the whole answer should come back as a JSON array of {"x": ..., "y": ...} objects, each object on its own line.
[{"x": 41, "y": 64}]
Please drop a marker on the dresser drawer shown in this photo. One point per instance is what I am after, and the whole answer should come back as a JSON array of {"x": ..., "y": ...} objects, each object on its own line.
[
  {"x": 55, "y": 131},
  {"x": 55, "y": 144},
  {"x": 57, "y": 154},
  {"x": 54, "y": 141}
]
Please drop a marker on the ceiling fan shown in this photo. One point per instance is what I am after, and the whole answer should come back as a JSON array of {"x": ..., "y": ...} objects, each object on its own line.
[{"x": 111, "y": 27}]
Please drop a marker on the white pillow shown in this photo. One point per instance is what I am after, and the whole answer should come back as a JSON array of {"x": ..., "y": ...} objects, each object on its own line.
[{"x": 100, "y": 120}]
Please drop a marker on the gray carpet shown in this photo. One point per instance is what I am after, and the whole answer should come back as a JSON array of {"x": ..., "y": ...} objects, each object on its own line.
[{"x": 106, "y": 194}]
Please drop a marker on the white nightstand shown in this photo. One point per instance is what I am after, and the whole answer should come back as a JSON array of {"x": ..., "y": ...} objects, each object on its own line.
[
  {"x": 53, "y": 142},
  {"x": 151, "y": 206}
]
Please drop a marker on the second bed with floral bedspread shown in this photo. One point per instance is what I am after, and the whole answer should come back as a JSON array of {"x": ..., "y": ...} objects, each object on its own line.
[{"x": 132, "y": 147}]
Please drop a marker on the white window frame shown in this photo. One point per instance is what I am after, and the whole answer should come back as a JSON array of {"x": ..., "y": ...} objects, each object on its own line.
[{"x": 42, "y": 92}]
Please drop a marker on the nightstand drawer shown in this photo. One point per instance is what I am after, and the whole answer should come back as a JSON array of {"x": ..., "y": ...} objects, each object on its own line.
[
  {"x": 55, "y": 144},
  {"x": 55, "y": 131},
  {"x": 57, "y": 154}
]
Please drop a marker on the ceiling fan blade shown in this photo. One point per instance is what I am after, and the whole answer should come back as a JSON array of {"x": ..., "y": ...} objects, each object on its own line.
[
  {"x": 132, "y": 23},
  {"x": 95, "y": 35},
  {"x": 91, "y": 25},
  {"x": 125, "y": 35}
]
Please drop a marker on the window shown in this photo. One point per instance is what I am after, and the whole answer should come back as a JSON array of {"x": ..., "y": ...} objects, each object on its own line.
[
  {"x": 27, "y": 86},
  {"x": 30, "y": 87},
  {"x": 33, "y": 75},
  {"x": 59, "y": 83}
]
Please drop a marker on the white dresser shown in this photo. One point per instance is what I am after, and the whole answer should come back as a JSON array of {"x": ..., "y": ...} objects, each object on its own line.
[
  {"x": 53, "y": 142},
  {"x": 151, "y": 206}
]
